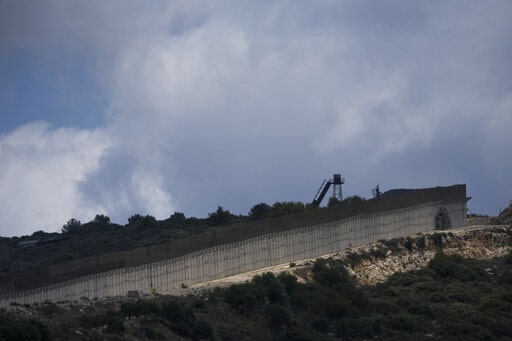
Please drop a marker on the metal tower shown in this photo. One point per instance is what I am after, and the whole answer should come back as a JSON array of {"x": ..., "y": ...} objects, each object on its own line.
[{"x": 337, "y": 192}]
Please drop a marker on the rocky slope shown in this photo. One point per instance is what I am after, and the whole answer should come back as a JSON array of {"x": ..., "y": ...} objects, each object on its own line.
[
  {"x": 375, "y": 263},
  {"x": 368, "y": 265}
]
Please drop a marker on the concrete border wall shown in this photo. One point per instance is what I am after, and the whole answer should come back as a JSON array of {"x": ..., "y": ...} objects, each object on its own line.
[
  {"x": 227, "y": 235},
  {"x": 277, "y": 246}
]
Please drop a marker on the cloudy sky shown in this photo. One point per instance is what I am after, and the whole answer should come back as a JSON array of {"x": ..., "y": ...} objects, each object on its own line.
[{"x": 128, "y": 106}]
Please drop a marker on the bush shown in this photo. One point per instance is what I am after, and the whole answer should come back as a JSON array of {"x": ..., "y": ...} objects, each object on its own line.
[
  {"x": 272, "y": 288},
  {"x": 437, "y": 239},
  {"x": 402, "y": 279},
  {"x": 49, "y": 308},
  {"x": 277, "y": 315},
  {"x": 420, "y": 242},
  {"x": 335, "y": 307},
  {"x": 384, "y": 306},
  {"x": 286, "y": 208},
  {"x": 320, "y": 325},
  {"x": 113, "y": 321},
  {"x": 459, "y": 329},
  {"x": 181, "y": 328},
  {"x": 508, "y": 258},
  {"x": 203, "y": 330},
  {"x": 140, "y": 308},
  {"x": 361, "y": 328},
  {"x": 404, "y": 322},
  {"x": 289, "y": 281},
  {"x": 460, "y": 293},
  {"x": 452, "y": 267},
  {"x": 329, "y": 274},
  {"x": 438, "y": 297},
  {"x": 408, "y": 244},
  {"x": 220, "y": 217},
  {"x": 244, "y": 297},
  {"x": 14, "y": 329},
  {"x": 260, "y": 211}
]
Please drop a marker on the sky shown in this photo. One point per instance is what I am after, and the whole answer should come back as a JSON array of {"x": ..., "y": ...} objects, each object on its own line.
[{"x": 129, "y": 107}]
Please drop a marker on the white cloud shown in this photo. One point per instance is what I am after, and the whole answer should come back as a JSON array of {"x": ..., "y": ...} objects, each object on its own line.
[
  {"x": 40, "y": 170},
  {"x": 231, "y": 104},
  {"x": 234, "y": 93}
]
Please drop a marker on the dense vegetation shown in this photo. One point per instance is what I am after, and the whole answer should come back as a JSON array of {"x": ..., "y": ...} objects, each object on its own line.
[
  {"x": 453, "y": 298},
  {"x": 101, "y": 235}
]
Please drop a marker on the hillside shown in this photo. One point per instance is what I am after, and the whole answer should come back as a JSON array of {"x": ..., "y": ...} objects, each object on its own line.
[
  {"x": 353, "y": 295},
  {"x": 79, "y": 240},
  {"x": 374, "y": 263}
]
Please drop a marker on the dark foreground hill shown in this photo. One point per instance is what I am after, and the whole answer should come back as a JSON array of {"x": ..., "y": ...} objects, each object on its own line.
[{"x": 451, "y": 298}]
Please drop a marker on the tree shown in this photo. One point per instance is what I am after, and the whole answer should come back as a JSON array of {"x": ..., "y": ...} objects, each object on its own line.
[
  {"x": 219, "y": 217},
  {"x": 333, "y": 201},
  {"x": 177, "y": 218},
  {"x": 244, "y": 297},
  {"x": 287, "y": 207},
  {"x": 354, "y": 198},
  {"x": 72, "y": 225},
  {"x": 277, "y": 315},
  {"x": 101, "y": 219},
  {"x": 149, "y": 222},
  {"x": 272, "y": 287},
  {"x": 260, "y": 211},
  {"x": 135, "y": 219}
]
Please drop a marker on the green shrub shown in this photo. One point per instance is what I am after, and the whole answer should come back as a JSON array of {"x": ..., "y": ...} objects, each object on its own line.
[
  {"x": 404, "y": 322},
  {"x": 289, "y": 281},
  {"x": 181, "y": 327},
  {"x": 271, "y": 287},
  {"x": 203, "y": 330},
  {"x": 244, "y": 297},
  {"x": 402, "y": 279},
  {"x": 437, "y": 239},
  {"x": 335, "y": 307},
  {"x": 508, "y": 258},
  {"x": 438, "y": 297},
  {"x": 361, "y": 328},
  {"x": 330, "y": 274},
  {"x": 459, "y": 329},
  {"x": 452, "y": 266},
  {"x": 319, "y": 265},
  {"x": 420, "y": 242},
  {"x": 113, "y": 321},
  {"x": 49, "y": 308},
  {"x": 460, "y": 293},
  {"x": 426, "y": 286},
  {"x": 17, "y": 329},
  {"x": 384, "y": 305},
  {"x": 408, "y": 244},
  {"x": 320, "y": 325},
  {"x": 277, "y": 315},
  {"x": 419, "y": 308},
  {"x": 140, "y": 308}
]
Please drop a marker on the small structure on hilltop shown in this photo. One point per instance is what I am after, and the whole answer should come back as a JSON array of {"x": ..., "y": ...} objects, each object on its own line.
[{"x": 337, "y": 193}]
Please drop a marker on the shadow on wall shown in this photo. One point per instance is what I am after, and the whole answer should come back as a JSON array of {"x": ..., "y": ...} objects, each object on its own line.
[{"x": 442, "y": 219}]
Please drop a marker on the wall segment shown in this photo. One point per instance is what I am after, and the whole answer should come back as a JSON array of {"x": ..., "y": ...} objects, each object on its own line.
[{"x": 221, "y": 253}]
